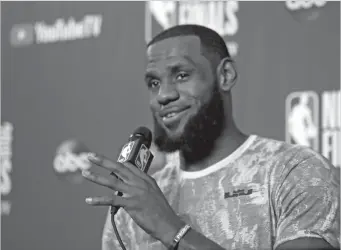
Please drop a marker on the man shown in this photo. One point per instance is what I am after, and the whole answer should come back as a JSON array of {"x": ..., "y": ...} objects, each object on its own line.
[{"x": 236, "y": 191}]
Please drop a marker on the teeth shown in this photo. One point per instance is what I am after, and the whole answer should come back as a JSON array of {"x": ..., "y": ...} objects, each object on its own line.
[{"x": 169, "y": 115}]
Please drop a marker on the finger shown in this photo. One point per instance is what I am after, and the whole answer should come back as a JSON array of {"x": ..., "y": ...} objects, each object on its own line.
[
  {"x": 112, "y": 183},
  {"x": 107, "y": 201},
  {"x": 110, "y": 165},
  {"x": 136, "y": 171}
]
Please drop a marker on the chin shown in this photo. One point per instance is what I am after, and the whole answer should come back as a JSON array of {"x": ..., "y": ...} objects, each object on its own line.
[
  {"x": 174, "y": 133},
  {"x": 177, "y": 130},
  {"x": 170, "y": 138}
]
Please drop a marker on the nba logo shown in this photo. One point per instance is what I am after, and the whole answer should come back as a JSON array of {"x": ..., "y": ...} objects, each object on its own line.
[
  {"x": 142, "y": 157},
  {"x": 159, "y": 15},
  {"x": 302, "y": 119},
  {"x": 126, "y": 151}
]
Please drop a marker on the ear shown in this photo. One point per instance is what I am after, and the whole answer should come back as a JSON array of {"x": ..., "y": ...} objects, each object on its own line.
[{"x": 227, "y": 74}]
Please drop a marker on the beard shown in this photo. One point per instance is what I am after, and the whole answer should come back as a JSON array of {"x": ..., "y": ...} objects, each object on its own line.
[{"x": 200, "y": 133}]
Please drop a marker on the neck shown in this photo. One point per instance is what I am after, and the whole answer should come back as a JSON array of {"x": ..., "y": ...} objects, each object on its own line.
[{"x": 231, "y": 138}]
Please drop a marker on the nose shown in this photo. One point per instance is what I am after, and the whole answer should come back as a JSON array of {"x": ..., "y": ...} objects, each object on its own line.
[{"x": 167, "y": 93}]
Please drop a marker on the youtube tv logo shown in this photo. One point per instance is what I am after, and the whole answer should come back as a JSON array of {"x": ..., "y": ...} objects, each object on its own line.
[
  {"x": 60, "y": 30},
  {"x": 22, "y": 35}
]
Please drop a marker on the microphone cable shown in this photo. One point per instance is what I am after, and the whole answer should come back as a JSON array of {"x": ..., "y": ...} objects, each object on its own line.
[{"x": 113, "y": 211}]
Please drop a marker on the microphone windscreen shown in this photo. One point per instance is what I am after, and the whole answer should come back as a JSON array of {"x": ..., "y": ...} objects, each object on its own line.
[{"x": 146, "y": 133}]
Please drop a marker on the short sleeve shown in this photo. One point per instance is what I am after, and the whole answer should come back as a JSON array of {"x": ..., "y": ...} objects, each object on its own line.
[{"x": 307, "y": 201}]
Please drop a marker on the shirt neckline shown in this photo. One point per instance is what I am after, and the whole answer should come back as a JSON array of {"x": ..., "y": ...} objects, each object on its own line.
[{"x": 220, "y": 164}]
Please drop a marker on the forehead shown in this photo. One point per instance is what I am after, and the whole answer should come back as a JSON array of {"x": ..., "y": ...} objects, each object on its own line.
[{"x": 180, "y": 47}]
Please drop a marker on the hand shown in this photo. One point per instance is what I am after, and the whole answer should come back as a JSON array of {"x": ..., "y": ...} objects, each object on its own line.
[{"x": 142, "y": 198}]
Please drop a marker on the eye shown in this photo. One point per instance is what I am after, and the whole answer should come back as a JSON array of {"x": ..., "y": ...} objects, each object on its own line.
[
  {"x": 182, "y": 76},
  {"x": 153, "y": 83}
]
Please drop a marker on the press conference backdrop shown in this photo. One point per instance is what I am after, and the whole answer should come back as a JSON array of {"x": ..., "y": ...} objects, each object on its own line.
[{"x": 74, "y": 71}]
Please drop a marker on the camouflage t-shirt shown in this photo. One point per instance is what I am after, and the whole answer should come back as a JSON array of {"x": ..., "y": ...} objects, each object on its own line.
[{"x": 265, "y": 193}]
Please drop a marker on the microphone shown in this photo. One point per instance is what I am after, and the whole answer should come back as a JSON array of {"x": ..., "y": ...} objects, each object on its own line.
[{"x": 136, "y": 151}]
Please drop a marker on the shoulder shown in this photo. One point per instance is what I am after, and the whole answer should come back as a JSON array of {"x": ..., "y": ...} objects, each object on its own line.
[
  {"x": 293, "y": 163},
  {"x": 271, "y": 149},
  {"x": 288, "y": 157},
  {"x": 305, "y": 191},
  {"x": 303, "y": 165},
  {"x": 300, "y": 170}
]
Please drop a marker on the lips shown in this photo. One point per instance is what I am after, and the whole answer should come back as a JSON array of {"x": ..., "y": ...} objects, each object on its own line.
[{"x": 172, "y": 115}]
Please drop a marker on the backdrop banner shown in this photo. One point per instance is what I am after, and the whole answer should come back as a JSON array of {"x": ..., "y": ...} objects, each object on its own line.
[{"x": 72, "y": 82}]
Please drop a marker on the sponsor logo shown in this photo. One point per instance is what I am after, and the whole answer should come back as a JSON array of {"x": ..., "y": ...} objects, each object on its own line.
[
  {"x": 306, "y": 4},
  {"x": 6, "y": 138},
  {"x": 220, "y": 16},
  {"x": 71, "y": 162},
  {"x": 71, "y": 158},
  {"x": 62, "y": 30},
  {"x": 314, "y": 120},
  {"x": 142, "y": 157},
  {"x": 305, "y": 11},
  {"x": 237, "y": 193}
]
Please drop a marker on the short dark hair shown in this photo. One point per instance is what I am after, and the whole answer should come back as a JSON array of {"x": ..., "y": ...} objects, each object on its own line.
[{"x": 210, "y": 39}]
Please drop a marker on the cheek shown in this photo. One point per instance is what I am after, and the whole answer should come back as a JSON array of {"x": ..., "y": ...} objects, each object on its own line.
[
  {"x": 195, "y": 91},
  {"x": 201, "y": 81},
  {"x": 153, "y": 104}
]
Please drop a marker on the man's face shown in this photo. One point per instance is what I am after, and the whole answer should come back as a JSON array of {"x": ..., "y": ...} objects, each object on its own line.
[{"x": 184, "y": 97}]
